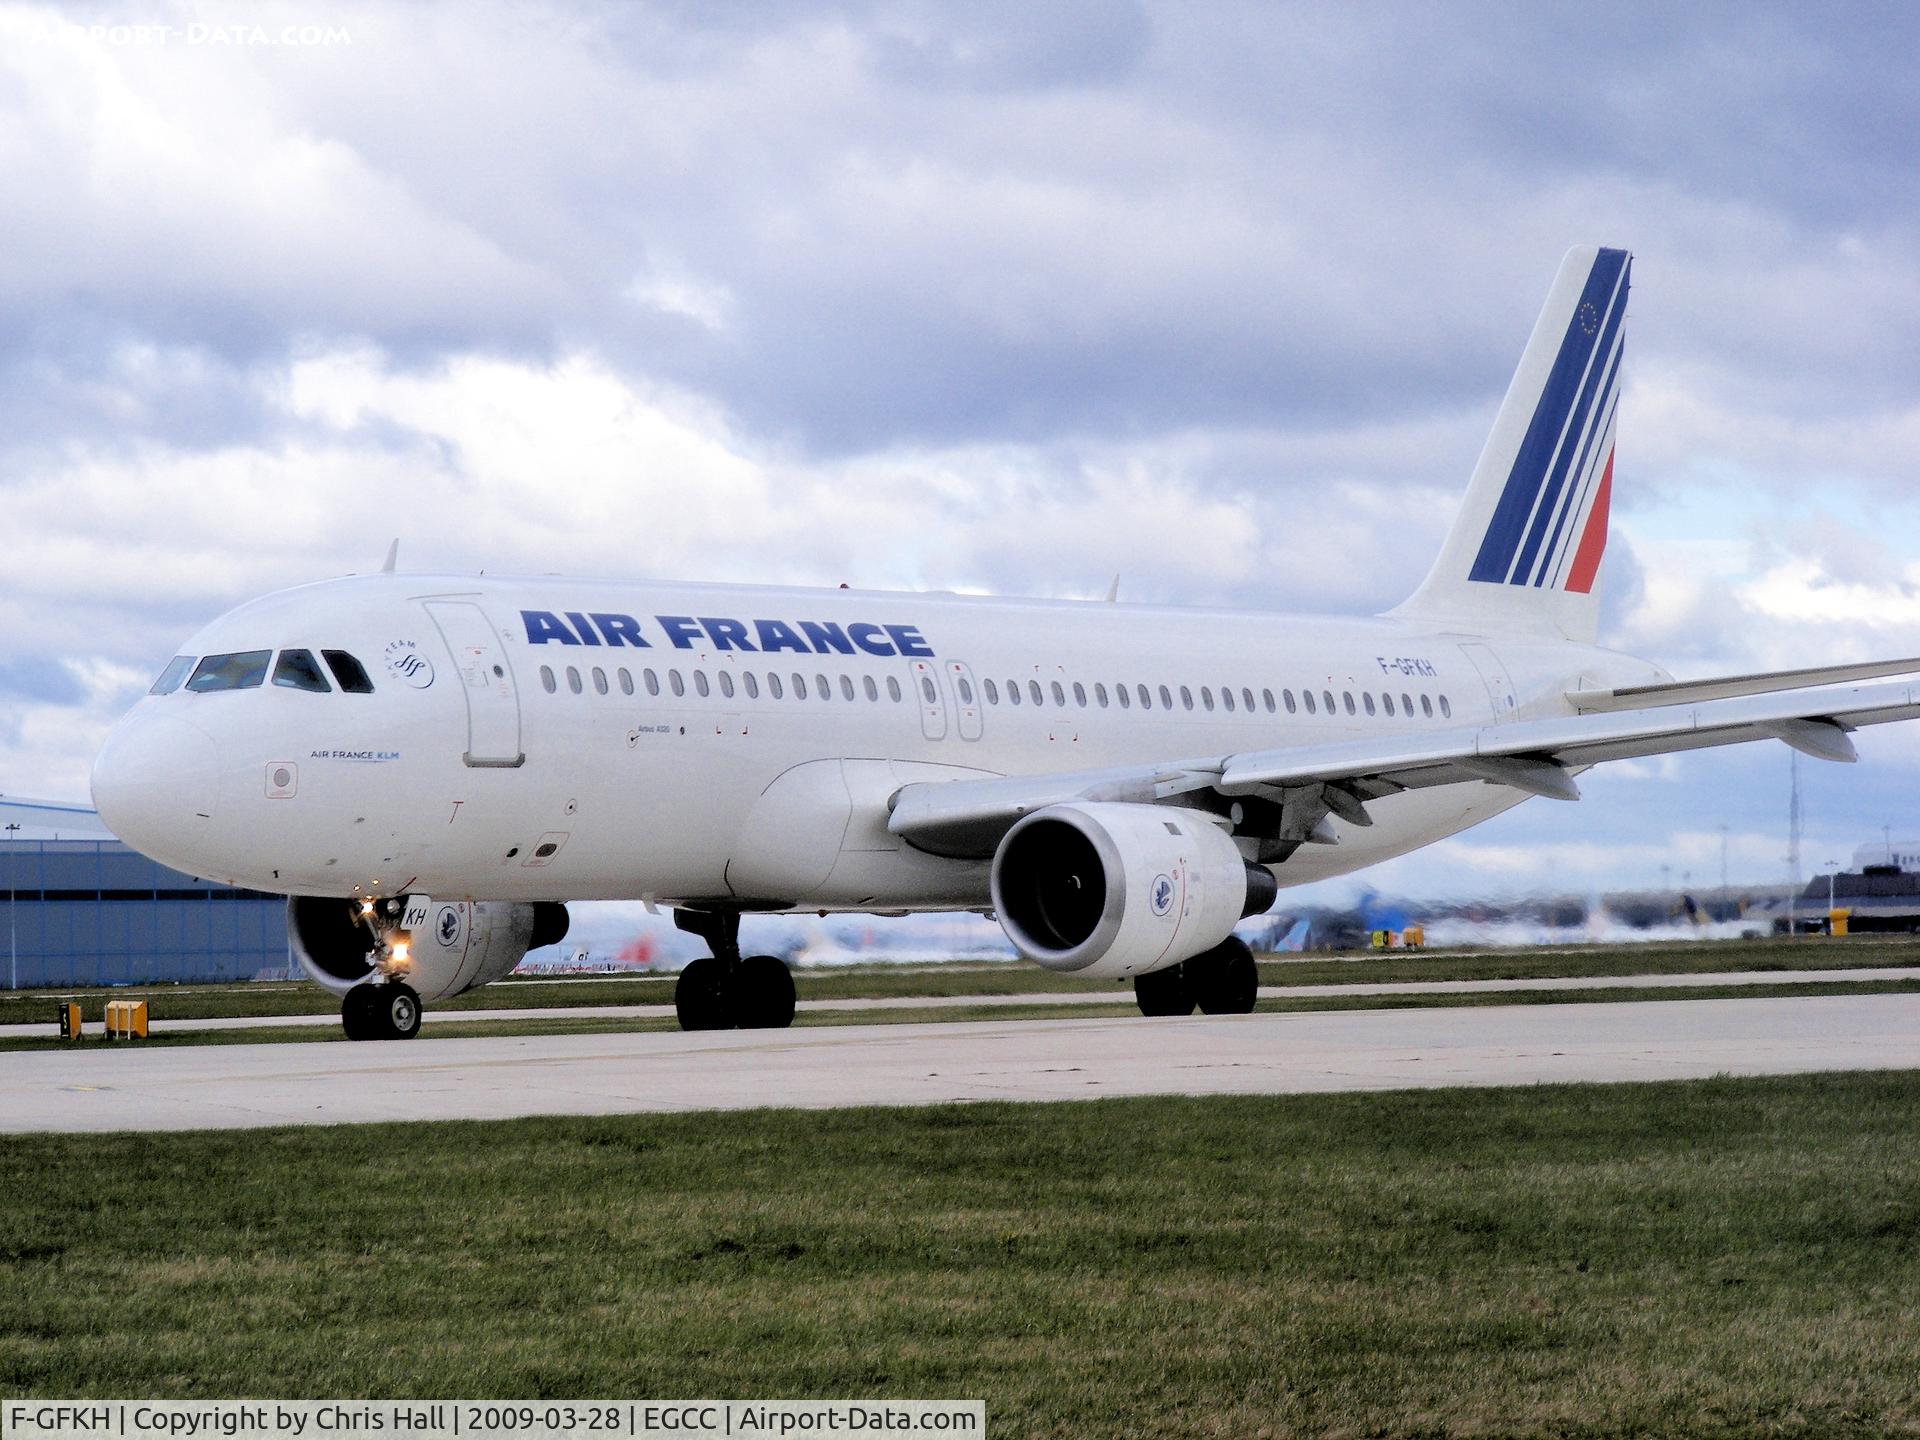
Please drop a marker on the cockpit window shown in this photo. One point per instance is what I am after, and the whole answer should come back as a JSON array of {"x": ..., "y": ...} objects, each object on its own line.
[
  {"x": 349, "y": 672},
  {"x": 170, "y": 678},
  {"x": 242, "y": 671},
  {"x": 298, "y": 670}
]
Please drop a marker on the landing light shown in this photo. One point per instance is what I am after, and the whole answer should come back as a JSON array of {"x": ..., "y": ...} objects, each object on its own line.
[{"x": 402, "y": 952}]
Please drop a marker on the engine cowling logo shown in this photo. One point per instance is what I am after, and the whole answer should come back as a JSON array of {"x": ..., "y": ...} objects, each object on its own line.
[
  {"x": 407, "y": 665},
  {"x": 1160, "y": 895},
  {"x": 448, "y": 928}
]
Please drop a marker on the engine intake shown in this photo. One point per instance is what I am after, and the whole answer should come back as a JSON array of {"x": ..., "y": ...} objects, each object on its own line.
[
  {"x": 1111, "y": 889},
  {"x": 463, "y": 944}
]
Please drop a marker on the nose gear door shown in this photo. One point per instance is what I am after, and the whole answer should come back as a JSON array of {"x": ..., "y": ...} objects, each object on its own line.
[{"x": 486, "y": 678}]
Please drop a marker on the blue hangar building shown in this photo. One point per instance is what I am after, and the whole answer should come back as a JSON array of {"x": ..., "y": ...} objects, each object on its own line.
[{"x": 84, "y": 909}]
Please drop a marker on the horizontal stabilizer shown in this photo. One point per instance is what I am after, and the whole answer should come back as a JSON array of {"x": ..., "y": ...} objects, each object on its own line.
[{"x": 1726, "y": 687}]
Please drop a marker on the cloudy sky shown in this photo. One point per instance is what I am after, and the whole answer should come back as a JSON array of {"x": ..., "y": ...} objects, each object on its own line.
[{"x": 984, "y": 296}]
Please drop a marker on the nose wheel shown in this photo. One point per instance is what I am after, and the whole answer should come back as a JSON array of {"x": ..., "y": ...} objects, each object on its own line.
[
  {"x": 723, "y": 991},
  {"x": 381, "y": 1012}
]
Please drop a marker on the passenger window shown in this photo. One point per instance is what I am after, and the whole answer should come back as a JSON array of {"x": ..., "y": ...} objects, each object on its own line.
[
  {"x": 1347, "y": 695},
  {"x": 600, "y": 681},
  {"x": 1123, "y": 693},
  {"x": 1287, "y": 695},
  {"x": 1326, "y": 697},
  {"x": 348, "y": 672},
  {"x": 773, "y": 684},
  {"x": 243, "y": 671},
  {"x": 177, "y": 670},
  {"x": 822, "y": 687},
  {"x": 1146, "y": 697},
  {"x": 1366, "y": 697},
  {"x": 992, "y": 691},
  {"x": 1034, "y": 693},
  {"x": 1059, "y": 695},
  {"x": 1426, "y": 706},
  {"x": 700, "y": 686},
  {"x": 846, "y": 689},
  {"x": 1406, "y": 704},
  {"x": 799, "y": 686},
  {"x": 893, "y": 689},
  {"x": 1386, "y": 702},
  {"x": 626, "y": 681},
  {"x": 547, "y": 682},
  {"x": 1166, "y": 698},
  {"x": 1186, "y": 697},
  {"x": 653, "y": 682},
  {"x": 674, "y": 683},
  {"x": 1100, "y": 694},
  {"x": 1079, "y": 694},
  {"x": 1226, "y": 697},
  {"x": 1013, "y": 692},
  {"x": 1246, "y": 699},
  {"x": 1307, "y": 695},
  {"x": 926, "y": 689},
  {"x": 1446, "y": 710},
  {"x": 298, "y": 670},
  {"x": 966, "y": 691},
  {"x": 573, "y": 679},
  {"x": 753, "y": 685},
  {"x": 726, "y": 684},
  {"x": 1206, "y": 697},
  {"x": 873, "y": 690}
]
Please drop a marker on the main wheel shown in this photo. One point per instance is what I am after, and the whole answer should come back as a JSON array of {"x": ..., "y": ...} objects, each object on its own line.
[
  {"x": 700, "y": 996},
  {"x": 396, "y": 1011},
  {"x": 1225, "y": 979},
  {"x": 763, "y": 994},
  {"x": 356, "y": 1012},
  {"x": 1164, "y": 992}
]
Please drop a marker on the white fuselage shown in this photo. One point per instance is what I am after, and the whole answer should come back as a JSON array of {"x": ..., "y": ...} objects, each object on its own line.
[{"x": 746, "y": 752}]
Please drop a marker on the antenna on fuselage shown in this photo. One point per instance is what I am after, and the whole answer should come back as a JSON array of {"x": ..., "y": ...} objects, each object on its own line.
[
  {"x": 393, "y": 554},
  {"x": 1113, "y": 590}
]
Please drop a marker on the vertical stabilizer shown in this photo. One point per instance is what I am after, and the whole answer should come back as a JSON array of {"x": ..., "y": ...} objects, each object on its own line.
[{"x": 1525, "y": 551}]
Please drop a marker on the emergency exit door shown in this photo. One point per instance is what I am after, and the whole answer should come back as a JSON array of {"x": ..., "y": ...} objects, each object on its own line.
[{"x": 486, "y": 679}]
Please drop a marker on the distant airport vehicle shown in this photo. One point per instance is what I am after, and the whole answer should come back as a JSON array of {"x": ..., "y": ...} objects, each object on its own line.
[{"x": 431, "y": 766}]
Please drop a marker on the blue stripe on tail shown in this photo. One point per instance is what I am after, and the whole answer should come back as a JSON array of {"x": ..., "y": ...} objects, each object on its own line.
[{"x": 1569, "y": 386}]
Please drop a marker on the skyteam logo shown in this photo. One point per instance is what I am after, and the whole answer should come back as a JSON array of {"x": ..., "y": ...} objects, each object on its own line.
[
  {"x": 1160, "y": 897},
  {"x": 448, "y": 928},
  {"x": 407, "y": 665},
  {"x": 1549, "y": 527}
]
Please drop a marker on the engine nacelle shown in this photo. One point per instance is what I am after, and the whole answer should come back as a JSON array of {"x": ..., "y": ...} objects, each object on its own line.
[
  {"x": 461, "y": 945},
  {"x": 1110, "y": 889}
]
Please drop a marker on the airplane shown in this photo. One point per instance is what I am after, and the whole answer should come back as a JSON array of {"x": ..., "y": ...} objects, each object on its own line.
[{"x": 431, "y": 767}]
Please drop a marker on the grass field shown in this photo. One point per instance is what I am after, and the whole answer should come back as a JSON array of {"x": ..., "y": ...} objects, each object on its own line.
[
  {"x": 858, "y": 982},
  {"x": 1716, "y": 1258}
]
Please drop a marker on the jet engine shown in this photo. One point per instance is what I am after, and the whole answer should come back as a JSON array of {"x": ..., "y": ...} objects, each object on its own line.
[
  {"x": 450, "y": 947},
  {"x": 1110, "y": 889}
]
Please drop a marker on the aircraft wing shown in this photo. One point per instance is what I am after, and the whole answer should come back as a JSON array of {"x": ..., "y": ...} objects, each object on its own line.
[{"x": 1296, "y": 788}]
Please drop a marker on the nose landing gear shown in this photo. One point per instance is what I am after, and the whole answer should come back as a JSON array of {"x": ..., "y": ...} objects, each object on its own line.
[
  {"x": 381, "y": 1012},
  {"x": 725, "y": 992}
]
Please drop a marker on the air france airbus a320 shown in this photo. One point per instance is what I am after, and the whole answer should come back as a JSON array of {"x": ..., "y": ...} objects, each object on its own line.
[{"x": 430, "y": 767}]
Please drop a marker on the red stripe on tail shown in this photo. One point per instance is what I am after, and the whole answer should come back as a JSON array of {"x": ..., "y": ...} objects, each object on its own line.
[{"x": 1593, "y": 539}]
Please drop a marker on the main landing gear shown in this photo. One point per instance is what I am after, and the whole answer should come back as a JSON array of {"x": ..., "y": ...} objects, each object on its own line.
[
  {"x": 725, "y": 992},
  {"x": 389, "y": 1011},
  {"x": 1221, "y": 981}
]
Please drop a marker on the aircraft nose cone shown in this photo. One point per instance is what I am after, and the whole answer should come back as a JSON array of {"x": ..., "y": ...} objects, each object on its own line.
[{"x": 154, "y": 783}]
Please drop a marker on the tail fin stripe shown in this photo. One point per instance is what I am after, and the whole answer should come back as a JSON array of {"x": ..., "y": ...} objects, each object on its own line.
[
  {"x": 1593, "y": 541},
  {"x": 1582, "y": 475},
  {"x": 1516, "y": 504},
  {"x": 1587, "y": 504},
  {"x": 1586, "y": 410}
]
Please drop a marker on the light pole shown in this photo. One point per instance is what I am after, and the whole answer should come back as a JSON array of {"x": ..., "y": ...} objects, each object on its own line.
[
  {"x": 1832, "y": 865},
  {"x": 13, "y": 930}
]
